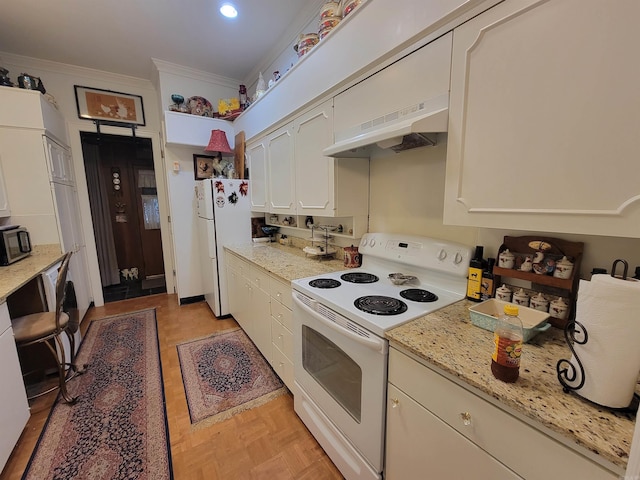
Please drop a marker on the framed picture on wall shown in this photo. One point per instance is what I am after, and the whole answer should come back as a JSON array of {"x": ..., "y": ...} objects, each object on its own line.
[
  {"x": 107, "y": 105},
  {"x": 203, "y": 166}
]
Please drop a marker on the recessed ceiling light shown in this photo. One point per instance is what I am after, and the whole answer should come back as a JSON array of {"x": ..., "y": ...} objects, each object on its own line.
[{"x": 228, "y": 10}]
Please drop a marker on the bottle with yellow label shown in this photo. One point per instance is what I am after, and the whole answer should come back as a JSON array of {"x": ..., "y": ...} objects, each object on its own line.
[
  {"x": 507, "y": 336},
  {"x": 474, "y": 280}
]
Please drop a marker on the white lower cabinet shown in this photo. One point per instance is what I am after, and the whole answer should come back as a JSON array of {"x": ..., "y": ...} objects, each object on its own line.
[
  {"x": 281, "y": 325},
  {"x": 248, "y": 290},
  {"x": 14, "y": 411},
  {"x": 438, "y": 429},
  {"x": 249, "y": 300},
  {"x": 261, "y": 304},
  {"x": 442, "y": 453}
]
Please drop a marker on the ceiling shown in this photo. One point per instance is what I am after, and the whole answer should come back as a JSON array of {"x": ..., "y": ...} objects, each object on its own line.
[{"x": 123, "y": 36}]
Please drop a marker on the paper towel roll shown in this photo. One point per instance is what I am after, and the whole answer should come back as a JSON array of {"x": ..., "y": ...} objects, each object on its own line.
[{"x": 609, "y": 309}]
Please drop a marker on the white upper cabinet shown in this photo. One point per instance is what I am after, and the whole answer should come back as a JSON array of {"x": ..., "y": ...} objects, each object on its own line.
[
  {"x": 256, "y": 155},
  {"x": 5, "y": 211},
  {"x": 326, "y": 186},
  {"x": 281, "y": 168},
  {"x": 60, "y": 162},
  {"x": 543, "y": 118}
]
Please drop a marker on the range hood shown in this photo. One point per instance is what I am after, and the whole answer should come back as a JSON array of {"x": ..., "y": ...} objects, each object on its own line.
[{"x": 407, "y": 128}]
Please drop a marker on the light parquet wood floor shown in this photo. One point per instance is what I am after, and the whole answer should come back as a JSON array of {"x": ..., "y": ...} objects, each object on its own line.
[{"x": 268, "y": 442}]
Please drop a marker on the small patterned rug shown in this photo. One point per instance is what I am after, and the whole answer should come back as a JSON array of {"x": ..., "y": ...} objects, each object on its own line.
[
  {"x": 118, "y": 427},
  {"x": 224, "y": 374}
]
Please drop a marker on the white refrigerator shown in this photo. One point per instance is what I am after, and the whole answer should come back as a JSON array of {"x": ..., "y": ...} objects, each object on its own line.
[{"x": 224, "y": 218}]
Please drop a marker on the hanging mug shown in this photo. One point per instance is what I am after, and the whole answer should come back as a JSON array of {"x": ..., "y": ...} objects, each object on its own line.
[{"x": 352, "y": 257}]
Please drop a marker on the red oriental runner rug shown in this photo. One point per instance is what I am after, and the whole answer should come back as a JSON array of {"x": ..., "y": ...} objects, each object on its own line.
[
  {"x": 118, "y": 427},
  {"x": 224, "y": 374}
]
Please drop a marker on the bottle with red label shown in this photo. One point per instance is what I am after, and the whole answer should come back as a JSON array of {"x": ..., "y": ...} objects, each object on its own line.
[{"x": 507, "y": 336}]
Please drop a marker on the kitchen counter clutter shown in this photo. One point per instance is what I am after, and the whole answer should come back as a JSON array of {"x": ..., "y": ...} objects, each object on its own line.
[
  {"x": 447, "y": 340},
  {"x": 18, "y": 274},
  {"x": 284, "y": 261}
]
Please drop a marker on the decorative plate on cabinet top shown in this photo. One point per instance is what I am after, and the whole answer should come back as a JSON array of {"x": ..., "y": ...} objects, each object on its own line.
[{"x": 200, "y": 106}]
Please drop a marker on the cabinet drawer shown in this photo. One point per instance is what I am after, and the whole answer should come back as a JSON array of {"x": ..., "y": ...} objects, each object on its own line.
[
  {"x": 283, "y": 367},
  {"x": 282, "y": 338},
  {"x": 281, "y": 291},
  {"x": 259, "y": 278},
  {"x": 236, "y": 263},
  {"x": 510, "y": 440},
  {"x": 282, "y": 314}
]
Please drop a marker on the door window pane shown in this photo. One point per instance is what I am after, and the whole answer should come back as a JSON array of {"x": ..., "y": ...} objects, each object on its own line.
[{"x": 333, "y": 369}]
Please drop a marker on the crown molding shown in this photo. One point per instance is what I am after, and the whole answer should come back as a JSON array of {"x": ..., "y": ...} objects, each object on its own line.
[
  {"x": 188, "y": 72},
  {"x": 74, "y": 70}
]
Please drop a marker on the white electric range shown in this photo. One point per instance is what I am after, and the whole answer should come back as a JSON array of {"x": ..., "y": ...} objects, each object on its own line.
[{"x": 340, "y": 353}]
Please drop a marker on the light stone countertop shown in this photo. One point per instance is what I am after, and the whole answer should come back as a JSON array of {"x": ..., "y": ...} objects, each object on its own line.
[
  {"x": 449, "y": 341},
  {"x": 18, "y": 274},
  {"x": 288, "y": 263}
]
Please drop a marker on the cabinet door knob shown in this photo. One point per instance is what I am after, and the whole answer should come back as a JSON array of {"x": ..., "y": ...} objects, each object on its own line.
[
  {"x": 466, "y": 418},
  {"x": 279, "y": 316},
  {"x": 278, "y": 295},
  {"x": 395, "y": 403}
]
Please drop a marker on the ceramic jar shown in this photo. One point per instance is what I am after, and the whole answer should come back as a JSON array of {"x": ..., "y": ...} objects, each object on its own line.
[
  {"x": 527, "y": 264},
  {"x": 352, "y": 257},
  {"x": 521, "y": 298},
  {"x": 564, "y": 268},
  {"x": 539, "y": 302},
  {"x": 306, "y": 42},
  {"x": 503, "y": 293},
  {"x": 349, "y": 6},
  {"x": 326, "y": 25},
  {"x": 558, "y": 308},
  {"x": 330, "y": 9},
  {"x": 506, "y": 259}
]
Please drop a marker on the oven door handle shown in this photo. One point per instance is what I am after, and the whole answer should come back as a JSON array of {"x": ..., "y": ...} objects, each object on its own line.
[{"x": 376, "y": 344}]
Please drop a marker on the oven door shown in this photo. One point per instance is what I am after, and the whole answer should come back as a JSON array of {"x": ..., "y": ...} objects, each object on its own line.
[{"x": 342, "y": 370}]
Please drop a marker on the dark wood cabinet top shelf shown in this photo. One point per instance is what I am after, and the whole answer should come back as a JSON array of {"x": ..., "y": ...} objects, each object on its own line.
[{"x": 548, "y": 280}]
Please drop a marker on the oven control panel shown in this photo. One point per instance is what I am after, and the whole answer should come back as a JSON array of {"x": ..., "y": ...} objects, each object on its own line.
[{"x": 425, "y": 252}]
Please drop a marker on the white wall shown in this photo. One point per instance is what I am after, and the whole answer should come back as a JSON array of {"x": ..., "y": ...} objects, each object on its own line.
[
  {"x": 407, "y": 195},
  {"x": 59, "y": 80},
  {"x": 170, "y": 78}
]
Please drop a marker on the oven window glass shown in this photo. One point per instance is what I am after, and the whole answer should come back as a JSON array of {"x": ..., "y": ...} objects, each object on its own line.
[{"x": 333, "y": 369}]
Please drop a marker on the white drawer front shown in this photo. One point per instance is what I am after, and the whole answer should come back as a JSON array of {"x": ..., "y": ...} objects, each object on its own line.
[
  {"x": 235, "y": 263},
  {"x": 282, "y": 314},
  {"x": 281, "y": 291},
  {"x": 260, "y": 278},
  {"x": 282, "y": 338},
  {"x": 283, "y": 367},
  {"x": 510, "y": 440}
]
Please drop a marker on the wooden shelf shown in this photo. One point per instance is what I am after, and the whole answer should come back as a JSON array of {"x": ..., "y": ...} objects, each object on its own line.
[
  {"x": 559, "y": 248},
  {"x": 548, "y": 280}
]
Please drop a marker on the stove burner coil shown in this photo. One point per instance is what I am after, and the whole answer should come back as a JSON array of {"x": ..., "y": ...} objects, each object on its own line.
[
  {"x": 418, "y": 295},
  {"x": 324, "y": 283},
  {"x": 359, "y": 277},
  {"x": 380, "y": 305}
]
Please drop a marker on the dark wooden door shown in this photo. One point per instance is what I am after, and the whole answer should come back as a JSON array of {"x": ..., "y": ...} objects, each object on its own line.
[{"x": 125, "y": 166}]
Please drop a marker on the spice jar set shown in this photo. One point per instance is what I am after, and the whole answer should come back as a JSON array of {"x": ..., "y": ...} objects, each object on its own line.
[
  {"x": 539, "y": 263},
  {"x": 558, "y": 307}
]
